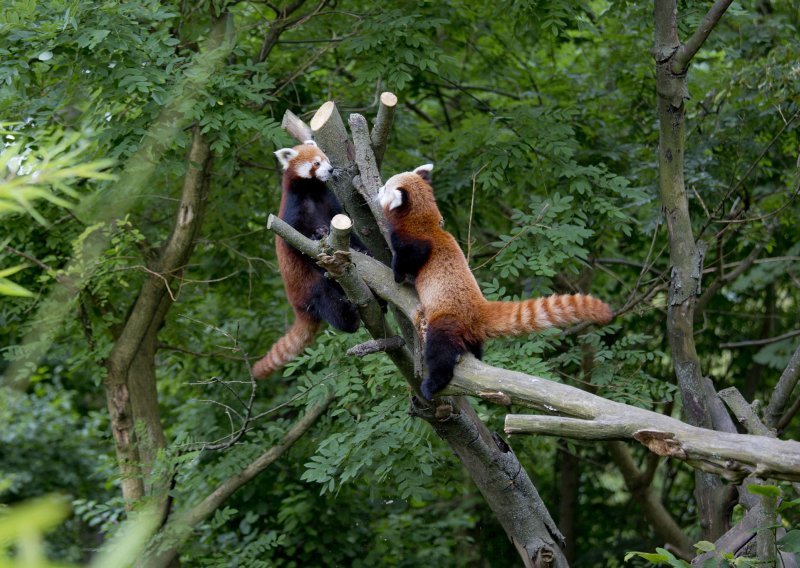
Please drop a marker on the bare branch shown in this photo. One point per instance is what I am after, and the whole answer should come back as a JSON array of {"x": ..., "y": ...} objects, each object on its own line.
[
  {"x": 681, "y": 59},
  {"x": 759, "y": 342},
  {"x": 368, "y": 170},
  {"x": 783, "y": 390},
  {"x": 295, "y": 126},
  {"x": 383, "y": 125},
  {"x": 654, "y": 511},
  {"x": 724, "y": 279},
  {"x": 743, "y": 412},
  {"x": 180, "y": 529},
  {"x": 376, "y": 346}
]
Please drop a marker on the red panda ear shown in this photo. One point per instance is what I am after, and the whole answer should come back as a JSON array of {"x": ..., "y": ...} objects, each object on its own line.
[
  {"x": 424, "y": 172},
  {"x": 310, "y": 143},
  {"x": 285, "y": 155}
]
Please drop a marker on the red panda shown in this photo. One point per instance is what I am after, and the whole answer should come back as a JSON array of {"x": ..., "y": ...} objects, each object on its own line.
[
  {"x": 459, "y": 318},
  {"x": 307, "y": 205}
]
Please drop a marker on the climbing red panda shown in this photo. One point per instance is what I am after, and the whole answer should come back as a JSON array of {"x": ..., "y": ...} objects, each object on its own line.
[
  {"x": 459, "y": 318},
  {"x": 307, "y": 205}
]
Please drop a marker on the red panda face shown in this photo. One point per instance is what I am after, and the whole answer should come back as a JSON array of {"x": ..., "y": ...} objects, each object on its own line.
[
  {"x": 305, "y": 161},
  {"x": 407, "y": 188}
]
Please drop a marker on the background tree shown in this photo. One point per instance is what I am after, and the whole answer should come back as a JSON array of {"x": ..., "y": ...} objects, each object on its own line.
[{"x": 541, "y": 122}]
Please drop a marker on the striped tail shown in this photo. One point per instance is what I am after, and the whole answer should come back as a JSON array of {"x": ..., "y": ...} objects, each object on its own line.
[
  {"x": 518, "y": 318},
  {"x": 297, "y": 338}
]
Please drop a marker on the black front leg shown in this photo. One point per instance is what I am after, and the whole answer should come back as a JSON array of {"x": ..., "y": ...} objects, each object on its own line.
[
  {"x": 409, "y": 256},
  {"x": 443, "y": 349}
]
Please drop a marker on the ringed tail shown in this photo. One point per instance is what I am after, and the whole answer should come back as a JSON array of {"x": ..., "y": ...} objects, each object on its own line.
[
  {"x": 558, "y": 310},
  {"x": 297, "y": 338}
]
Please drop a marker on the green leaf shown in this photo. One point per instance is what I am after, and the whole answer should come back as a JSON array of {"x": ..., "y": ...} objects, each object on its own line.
[
  {"x": 790, "y": 542},
  {"x": 705, "y": 546},
  {"x": 764, "y": 490},
  {"x": 9, "y": 288}
]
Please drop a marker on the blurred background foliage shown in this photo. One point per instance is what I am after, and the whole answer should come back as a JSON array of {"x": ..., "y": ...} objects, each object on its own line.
[{"x": 540, "y": 119}]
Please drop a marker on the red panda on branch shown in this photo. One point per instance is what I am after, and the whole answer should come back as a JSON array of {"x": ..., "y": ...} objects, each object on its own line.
[
  {"x": 459, "y": 318},
  {"x": 307, "y": 205}
]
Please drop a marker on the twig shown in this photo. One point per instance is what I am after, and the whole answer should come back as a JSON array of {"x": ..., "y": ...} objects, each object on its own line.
[
  {"x": 376, "y": 346},
  {"x": 471, "y": 208},
  {"x": 758, "y": 342}
]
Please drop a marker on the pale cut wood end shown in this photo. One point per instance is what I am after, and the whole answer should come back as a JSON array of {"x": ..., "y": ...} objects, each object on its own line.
[
  {"x": 322, "y": 115},
  {"x": 341, "y": 222},
  {"x": 388, "y": 99}
]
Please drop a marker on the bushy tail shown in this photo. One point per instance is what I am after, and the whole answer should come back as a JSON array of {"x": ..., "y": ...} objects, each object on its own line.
[
  {"x": 299, "y": 336},
  {"x": 560, "y": 310}
]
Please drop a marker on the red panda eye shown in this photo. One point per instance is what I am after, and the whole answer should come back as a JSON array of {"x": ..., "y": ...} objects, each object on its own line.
[{"x": 316, "y": 164}]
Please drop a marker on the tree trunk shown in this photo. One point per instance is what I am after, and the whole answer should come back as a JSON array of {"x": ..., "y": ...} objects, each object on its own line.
[
  {"x": 686, "y": 257},
  {"x": 131, "y": 382}
]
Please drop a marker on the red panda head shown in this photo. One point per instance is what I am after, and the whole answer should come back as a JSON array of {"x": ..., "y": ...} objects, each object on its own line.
[
  {"x": 409, "y": 192},
  {"x": 305, "y": 161}
]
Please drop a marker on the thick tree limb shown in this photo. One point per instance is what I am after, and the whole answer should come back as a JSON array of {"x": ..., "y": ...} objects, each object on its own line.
[
  {"x": 369, "y": 178},
  {"x": 589, "y": 416},
  {"x": 686, "y": 255},
  {"x": 639, "y": 486},
  {"x": 130, "y": 383},
  {"x": 299, "y": 130},
  {"x": 330, "y": 134},
  {"x": 496, "y": 471}
]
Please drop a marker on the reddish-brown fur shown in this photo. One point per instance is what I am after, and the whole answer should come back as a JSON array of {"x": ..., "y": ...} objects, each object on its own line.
[
  {"x": 451, "y": 299},
  {"x": 448, "y": 290},
  {"x": 308, "y": 206}
]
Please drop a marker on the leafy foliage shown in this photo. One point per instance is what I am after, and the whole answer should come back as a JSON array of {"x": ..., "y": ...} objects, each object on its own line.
[{"x": 539, "y": 118}]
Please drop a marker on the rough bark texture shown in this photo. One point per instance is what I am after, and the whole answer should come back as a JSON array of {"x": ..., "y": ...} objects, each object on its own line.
[
  {"x": 379, "y": 137},
  {"x": 329, "y": 134},
  {"x": 494, "y": 467},
  {"x": 568, "y": 475},
  {"x": 686, "y": 256},
  {"x": 495, "y": 470},
  {"x": 130, "y": 383}
]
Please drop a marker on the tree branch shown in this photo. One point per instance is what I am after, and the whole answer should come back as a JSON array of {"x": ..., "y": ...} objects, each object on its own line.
[
  {"x": 685, "y": 53},
  {"x": 179, "y": 530},
  {"x": 662, "y": 523},
  {"x": 495, "y": 469},
  {"x": 376, "y": 346},
  {"x": 295, "y": 126},
  {"x": 330, "y": 134},
  {"x": 732, "y": 455},
  {"x": 783, "y": 391},
  {"x": 759, "y": 342},
  {"x": 379, "y": 136}
]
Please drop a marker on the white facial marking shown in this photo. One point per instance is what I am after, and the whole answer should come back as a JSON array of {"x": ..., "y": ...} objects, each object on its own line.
[
  {"x": 324, "y": 169},
  {"x": 304, "y": 170},
  {"x": 285, "y": 156}
]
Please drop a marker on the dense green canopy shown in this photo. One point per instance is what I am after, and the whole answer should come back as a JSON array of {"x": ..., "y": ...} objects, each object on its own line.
[{"x": 540, "y": 118}]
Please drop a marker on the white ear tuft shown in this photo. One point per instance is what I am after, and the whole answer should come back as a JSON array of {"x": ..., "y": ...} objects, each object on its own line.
[
  {"x": 424, "y": 172},
  {"x": 285, "y": 156},
  {"x": 310, "y": 143}
]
